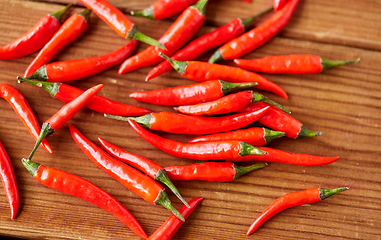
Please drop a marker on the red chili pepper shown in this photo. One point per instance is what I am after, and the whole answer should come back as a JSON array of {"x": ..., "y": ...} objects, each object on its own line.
[
  {"x": 185, "y": 124},
  {"x": 118, "y": 21},
  {"x": 201, "y": 151},
  {"x": 9, "y": 181},
  {"x": 135, "y": 181},
  {"x": 81, "y": 188},
  {"x": 202, "y": 71},
  {"x": 206, "y": 42},
  {"x": 254, "y": 136},
  {"x": 292, "y": 200},
  {"x": 69, "y": 31},
  {"x": 24, "y": 111},
  {"x": 190, "y": 94},
  {"x": 256, "y": 37},
  {"x": 170, "y": 227},
  {"x": 210, "y": 171},
  {"x": 35, "y": 38},
  {"x": 64, "y": 114},
  {"x": 291, "y": 64},
  {"x": 186, "y": 25},
  {"x": 278, "y": 4},
  {"x": 145, "y": 165},
  {"x": 281, "y": 121}
]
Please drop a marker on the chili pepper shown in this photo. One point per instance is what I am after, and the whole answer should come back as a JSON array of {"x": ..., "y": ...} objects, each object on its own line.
[
  {"x": 70, "y": 30},
  {"x": 81, "y": 188},
  {"x": 210, "y": 171},
  {"x": 66, "y": 71},
  {"x": 291, "y": 64},
  {"x": 292, "y": 200},
  {"x": 206, "y": 42},
  {"x": 67, "y": 93},
  {"x": 199, "y": 151},
  {"x": 134, "y": 180},
  {"x": 278, "y": 4},
  {"x": 163, "y": 9},
  {"x": 256, "y": 37},
  {"x": 185, "y": 26},
  {"x": 119, "y": 22},
  {"x": 170, "y": 227},
  {"x": 64, "y": 114},
  {"x": 35, "y": 38},
  {"x": 227, "y": 104},
  {"x": 190, "y": 94},
  {"x": 256, "y": 136},
  {"x": 9, "y": 181},
  {"x": 145, "y": 165},
  {"x": 202, "y": 71},
  {"x": 24, "y": 111},
  {"x": 281, "y": 121},
  {"x": 186, "y": 124}
]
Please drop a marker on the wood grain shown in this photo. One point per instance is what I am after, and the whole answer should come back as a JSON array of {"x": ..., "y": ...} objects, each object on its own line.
[{"x": 343, "y": 102}]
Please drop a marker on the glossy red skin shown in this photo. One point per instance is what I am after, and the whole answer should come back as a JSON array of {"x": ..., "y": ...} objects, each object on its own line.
[
  {"x": 163, "y": 9},
  {"x": 172, "y": 224},
  {"x": 230, "y": 103},
  {"x": 286, "y": 64},
  {"x": 278, "y": 4},
  {"x": 24, "y": 111},
  {"x": 200, "y": 45},
  {"x": 31, "y": 41},
  {"x": 69, "y": 31},
  {"x": 185, "y": 26},
  {"x": 81, "y": 188},
  {"x": 287, "y": 201},
  {"x": 9, "y": 181},
  {"x": 66, "y": 71}
]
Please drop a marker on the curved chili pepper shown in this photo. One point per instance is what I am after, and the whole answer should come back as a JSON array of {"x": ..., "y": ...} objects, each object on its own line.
[
  {"x": 202, "y": 71},
  {"x": 254, "y": 136},
  {"x": 185, "y": 26},
  {"x": 278, "y": 4},
  {"x": 291, "y": 64},
  {"x": 281, "y": 121},
  {"x": 256, "y": 37},
  {"x": 66, "y": 71},
  {"x": 35, "y": 38},
  {"x": 64, "y": 114},
  {"x": 67, "y": 93},
  {"x": 69, "y": 31},
  {"x": 190, "y": 94},
  {"x": 81, "y": 188},
  {"x": 200, "y": 151},
  {"x": 9, "y": 181},
  {"x": 145, "y": 165},
  {"x": 24, "y": 111},
  {"x": 119, "y": 22},
  {"x": 134, "y": 180},
  {"x": 292, "y": 200},
  {"x": 170, "y": 227},
  {"x": 206, "y": 42},
  {"x": 186, "y": 124},
  {"x": 210, "y": 171}
]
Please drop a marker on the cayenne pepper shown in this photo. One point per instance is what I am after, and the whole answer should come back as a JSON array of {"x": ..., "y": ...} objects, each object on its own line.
[{"x": 278, "y": 4}]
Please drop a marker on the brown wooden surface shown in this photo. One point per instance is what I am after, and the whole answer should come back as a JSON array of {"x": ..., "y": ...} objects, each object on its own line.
[{"x": 344, "y": 103}]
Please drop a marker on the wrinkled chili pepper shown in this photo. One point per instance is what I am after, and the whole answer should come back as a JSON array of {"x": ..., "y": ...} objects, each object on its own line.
[
  {"x": 9, "y": 181},
  {"x": 119, "y": 22},
  {"x": 278, "y": 4},
  {"x": 172, "y": 224},
  {"x": 24, "y": 111},
  {"x": 35, "y": 38},
  {"x": 200, "y": 151},
  {"x": 203, "y": 71},
  {"x": 81, "y": 188},
  {"x": 134, "y": 180},
  {"x": 143, "y": 164},
  {"x": 256, "y": 37},
  {"x": 292, "y": 200},
  {"x": 69, "y": 31},
  {"x": 185, "y": 26}
]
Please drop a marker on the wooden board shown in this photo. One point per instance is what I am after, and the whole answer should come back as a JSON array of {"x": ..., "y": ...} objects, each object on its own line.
[{"x": 344, "y": 103}]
